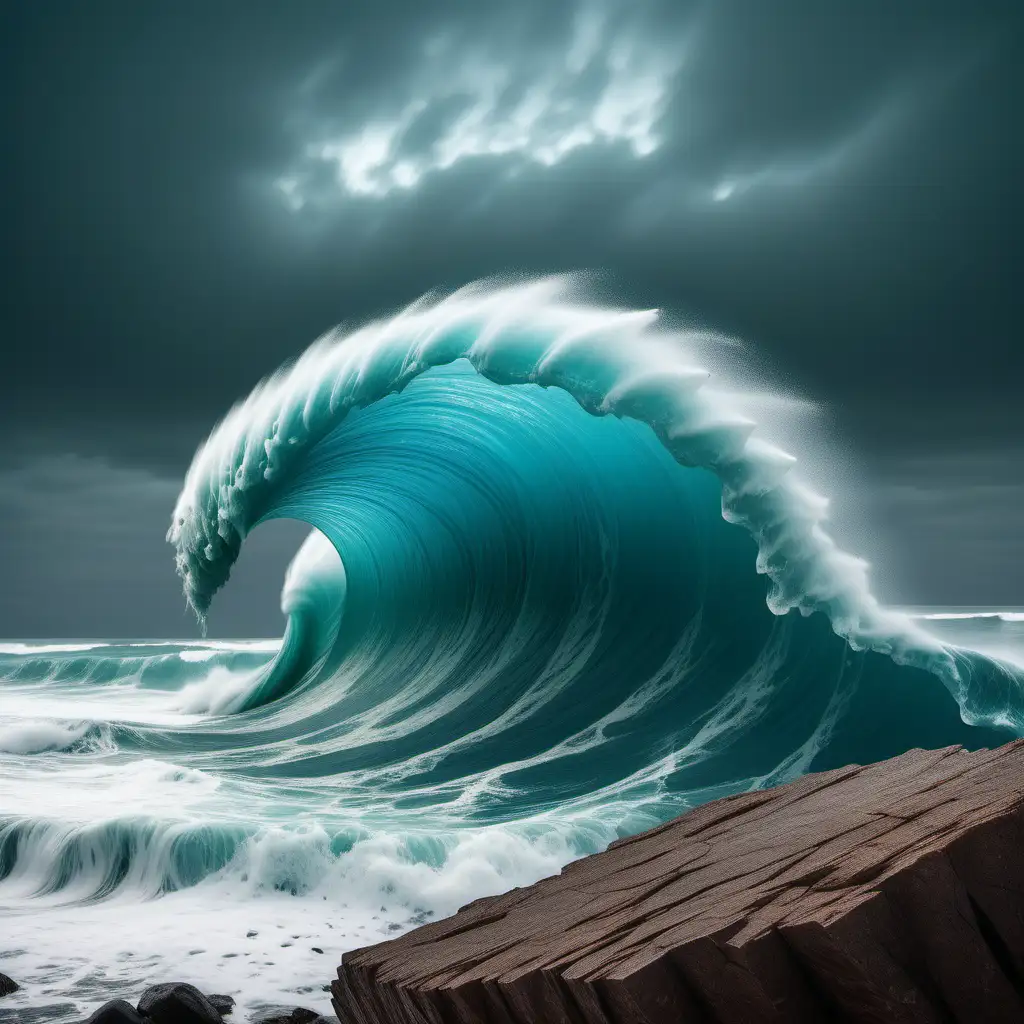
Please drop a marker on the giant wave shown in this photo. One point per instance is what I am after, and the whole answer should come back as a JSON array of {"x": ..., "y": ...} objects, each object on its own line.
[{"x": 387, "y": 478}]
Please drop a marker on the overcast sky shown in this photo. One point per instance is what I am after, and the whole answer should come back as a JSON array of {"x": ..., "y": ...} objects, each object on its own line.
[{"x": 196, "y": 190}]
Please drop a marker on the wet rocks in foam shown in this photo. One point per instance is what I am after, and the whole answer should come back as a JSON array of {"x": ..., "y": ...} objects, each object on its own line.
[
  {"x": 116, "y": 1012},
  {"x": 7, "y": 985},
  {"x": 222, "y": 1004},
  {"x": 177, "y": 1004},
  {"x": 299, "y": 1015}
]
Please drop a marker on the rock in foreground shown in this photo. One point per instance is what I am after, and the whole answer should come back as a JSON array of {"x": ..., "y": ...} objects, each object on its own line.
[
  {"x": 299, "y": 1015},
  {"x": 117, "y": 1011},
  {"x": 222, "y": 1004},
  {"x": 177, "y": 1004},
  {"x": 7, "y": 985},
  {"x": 893, "y": 892}
]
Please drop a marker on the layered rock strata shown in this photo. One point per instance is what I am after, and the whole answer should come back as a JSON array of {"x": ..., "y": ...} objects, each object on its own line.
[{"x": 887, "y": 893}]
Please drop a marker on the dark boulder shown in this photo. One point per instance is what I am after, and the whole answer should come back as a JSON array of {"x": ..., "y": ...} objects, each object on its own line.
[
  {"x": 7, "y": 985},
  {"x": 299, "y": 1015},
  {"x": 222, "y": 1004},
  {"x": 177, "y": 1004},
  {"x": 117, "y": 1011}
]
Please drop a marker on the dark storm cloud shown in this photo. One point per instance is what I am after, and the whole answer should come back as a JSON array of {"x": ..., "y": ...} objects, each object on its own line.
[
  {"x": 74, "y": 526},
  {"x": 198, "y": 190},
  {"x": 79, "y": 538},
  {"x": 725, "y": 89},
  {"x": 951, "y": 512},
  {"x": 836, "y": 183},
  {"x": 159, "y": 263},
  {"x": 510, "y": 97}
]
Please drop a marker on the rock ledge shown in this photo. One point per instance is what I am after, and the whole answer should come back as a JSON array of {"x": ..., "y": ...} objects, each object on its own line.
[{"x": 892, "y": 892}]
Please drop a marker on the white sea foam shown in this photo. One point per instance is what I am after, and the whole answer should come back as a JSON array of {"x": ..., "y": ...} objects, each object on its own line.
[
  {"x": 93, "y": 952},
  {"x": 88, "y": 792},
  {"x": 49, "y": 648},
  {"x": 127, "y": 704},
  {"x": 217, "y": 691},
  {"x": 270, "y": 644},
  {"x": 1013, "y": 616},
  {"x": 36, "y": 736}
]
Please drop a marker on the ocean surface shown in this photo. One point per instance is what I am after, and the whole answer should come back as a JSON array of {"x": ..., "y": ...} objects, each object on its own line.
[{"x": 558, "y": 588}]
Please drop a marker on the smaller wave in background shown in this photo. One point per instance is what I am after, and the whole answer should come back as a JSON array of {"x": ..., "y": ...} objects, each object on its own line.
[{"x": 996, "y": 632}]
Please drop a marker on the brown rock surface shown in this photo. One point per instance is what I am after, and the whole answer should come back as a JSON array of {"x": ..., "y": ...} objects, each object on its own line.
[{"x": 892, "y": 892}]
